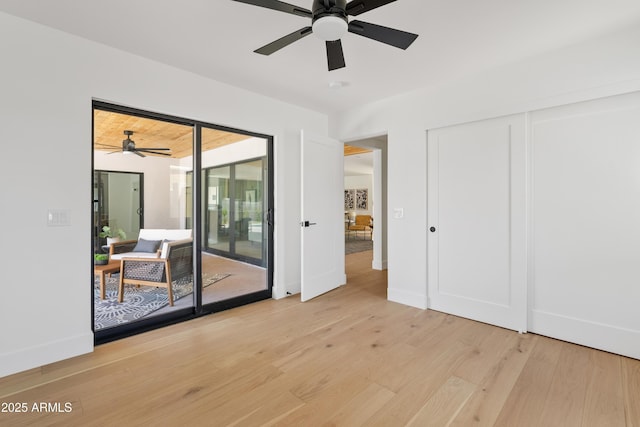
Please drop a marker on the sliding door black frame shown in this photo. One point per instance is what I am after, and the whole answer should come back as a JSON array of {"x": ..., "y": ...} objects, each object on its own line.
[{"x": 198, "y": 309}]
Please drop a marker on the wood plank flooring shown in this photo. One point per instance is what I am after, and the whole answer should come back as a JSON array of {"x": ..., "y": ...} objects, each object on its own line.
[{"x": 347, "y": 358}]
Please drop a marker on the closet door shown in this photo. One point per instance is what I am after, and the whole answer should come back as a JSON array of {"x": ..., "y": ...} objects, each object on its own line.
[
  {"x": 476, "y": 221},
  {"x": 586, "y": 223}
]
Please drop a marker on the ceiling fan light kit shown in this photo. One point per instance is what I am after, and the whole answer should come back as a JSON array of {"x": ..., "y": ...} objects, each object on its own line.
[
  {"x": 329, "y": 22},
  {"x": 330, "y": 28}
]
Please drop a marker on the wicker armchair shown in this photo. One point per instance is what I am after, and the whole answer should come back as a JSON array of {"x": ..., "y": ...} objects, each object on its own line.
[
  {"x": 121, "y": 247},
  {"x": 160, "y": 272}
]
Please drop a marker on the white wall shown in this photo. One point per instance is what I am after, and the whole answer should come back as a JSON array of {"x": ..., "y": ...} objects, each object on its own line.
[
  {"x": 601, "y": 67},
  {"x": 48, "y": 80}
]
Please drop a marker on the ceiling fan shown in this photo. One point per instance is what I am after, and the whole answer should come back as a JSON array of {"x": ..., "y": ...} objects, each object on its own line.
[
  {"x": 329, "y": 22},
  {"x": 129, "y": 146}
]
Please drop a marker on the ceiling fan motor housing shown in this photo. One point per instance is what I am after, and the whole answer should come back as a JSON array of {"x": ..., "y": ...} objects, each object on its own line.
[
  {"x": 329, "y": 19},
  {"x": 128, "y": 144}
]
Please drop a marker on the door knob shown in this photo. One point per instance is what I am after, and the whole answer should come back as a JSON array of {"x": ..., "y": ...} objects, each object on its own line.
[{"x": 432, "y": 229}]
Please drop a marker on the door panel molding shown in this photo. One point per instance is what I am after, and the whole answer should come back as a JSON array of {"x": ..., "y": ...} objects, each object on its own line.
[{"x": 477, "y": 207}]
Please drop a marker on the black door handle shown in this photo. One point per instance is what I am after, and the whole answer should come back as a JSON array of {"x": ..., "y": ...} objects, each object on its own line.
[
  {"x": 307, "y": 223},
  {"x": 270, "y": 217},
  {"x": 432, "y": 229}
]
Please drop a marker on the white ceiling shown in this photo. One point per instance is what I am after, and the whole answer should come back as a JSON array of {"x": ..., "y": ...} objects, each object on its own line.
[
  {"x": 358, "y": 164},
  {"x": 216, "y": 39}
]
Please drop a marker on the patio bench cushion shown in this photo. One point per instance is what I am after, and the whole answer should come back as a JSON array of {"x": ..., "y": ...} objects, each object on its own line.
[{"x": 127, "y": 249}]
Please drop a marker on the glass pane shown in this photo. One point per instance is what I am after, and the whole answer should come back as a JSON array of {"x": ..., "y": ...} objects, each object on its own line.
[
  {"x": 249, "y": 214},
  {"x": 217, "y": 219}
]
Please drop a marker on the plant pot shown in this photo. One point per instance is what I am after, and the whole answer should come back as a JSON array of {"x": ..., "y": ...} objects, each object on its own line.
[
  {"x": 111, "y": 240},
  {"x": 101, "y": 261}
]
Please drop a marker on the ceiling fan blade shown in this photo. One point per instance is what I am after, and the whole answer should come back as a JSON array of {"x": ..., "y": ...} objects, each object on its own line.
[
  {"x": 284, "y": 41},
  {"x": 356, "y": 7},
  {"x": 335, "y": 56},
  {"x": 390, "y": 36},
  {"x": 151, "y": 152},
  {"x": 106, "y": 145},
  {"x": 137, "y": 153},
  {"x": 280, "y": 6},
  {"x": 151, "y": 148}
]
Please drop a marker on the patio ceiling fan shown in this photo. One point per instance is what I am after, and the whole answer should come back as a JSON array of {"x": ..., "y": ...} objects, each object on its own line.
[
  {"x": 129, "y": 146},
  {"x": 329, "y": 22}
]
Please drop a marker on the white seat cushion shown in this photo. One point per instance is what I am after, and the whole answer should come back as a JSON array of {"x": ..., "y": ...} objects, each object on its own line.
[
  {"x": 164, "y": 249},
  {"x": 164, "y": 234},
  {"x": 167, "y": 236},
  {"x": 135, "y": 255}
]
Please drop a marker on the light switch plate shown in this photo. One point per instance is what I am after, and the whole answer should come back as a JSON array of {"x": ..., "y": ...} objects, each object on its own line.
[{"x": 398, "y": 213}]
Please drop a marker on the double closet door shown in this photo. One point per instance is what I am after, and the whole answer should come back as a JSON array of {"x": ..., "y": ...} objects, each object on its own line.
[{"x": 535, "y": 222}]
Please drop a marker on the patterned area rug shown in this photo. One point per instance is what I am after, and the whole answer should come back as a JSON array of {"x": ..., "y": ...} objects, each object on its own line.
[{"x": 138, "y": 302}]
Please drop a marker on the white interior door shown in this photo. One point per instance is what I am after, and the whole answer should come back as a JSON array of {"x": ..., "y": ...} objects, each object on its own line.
[
  {"x": 585, "y": 247},
  {"x": 322, "y": 183},
  {"x": 476, "y": 221}
]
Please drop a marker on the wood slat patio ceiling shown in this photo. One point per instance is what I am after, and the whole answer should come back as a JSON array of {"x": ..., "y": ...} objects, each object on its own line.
[{"x": 109, "y": 130}]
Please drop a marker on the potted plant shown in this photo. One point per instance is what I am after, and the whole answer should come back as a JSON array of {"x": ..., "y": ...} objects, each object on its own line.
[
  {"x": 112, "y": 235},
  {"x": 100, "y": 259}
]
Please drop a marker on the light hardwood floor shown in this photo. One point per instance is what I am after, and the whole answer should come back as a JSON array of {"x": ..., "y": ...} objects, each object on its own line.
[{"x": 346, "y": 358}]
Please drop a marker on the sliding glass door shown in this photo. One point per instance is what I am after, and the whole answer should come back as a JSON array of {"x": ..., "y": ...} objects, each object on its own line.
[{"x": 207, "y": 194}]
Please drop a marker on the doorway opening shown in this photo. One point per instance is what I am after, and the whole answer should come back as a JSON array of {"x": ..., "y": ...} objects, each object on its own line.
[
  {"x": 365, "y": 187},
  {"x": 118, "y": 205}
]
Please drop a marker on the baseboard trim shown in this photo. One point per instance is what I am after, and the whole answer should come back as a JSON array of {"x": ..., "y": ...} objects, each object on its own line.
[
  {"x": 43, "y": 354},
  {"x": 609, "y": 338},
  {"x": 407, "y": 298},
  {"x": 295, "y": 288},
  {"x": 379, "y": 265}
]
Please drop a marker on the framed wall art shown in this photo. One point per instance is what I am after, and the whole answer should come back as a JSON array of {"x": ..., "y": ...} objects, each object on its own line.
[
  {"x": 349, "y": 199},
  {"x": 362, "y": 199}
]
